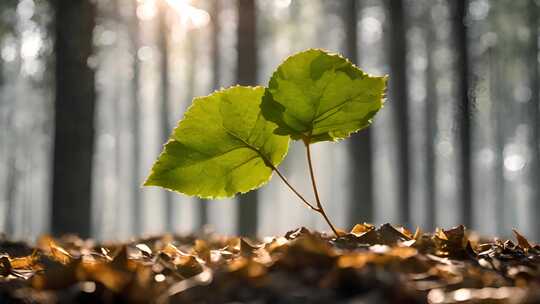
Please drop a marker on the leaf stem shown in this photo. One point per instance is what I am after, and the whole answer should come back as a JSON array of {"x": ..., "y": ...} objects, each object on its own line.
[
  {"x": 294, "y": 190},
  {"x": 320, "y": 208}
]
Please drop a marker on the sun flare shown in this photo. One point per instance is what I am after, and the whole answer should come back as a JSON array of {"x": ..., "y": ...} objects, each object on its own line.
[{"x": 190, "y": 15}]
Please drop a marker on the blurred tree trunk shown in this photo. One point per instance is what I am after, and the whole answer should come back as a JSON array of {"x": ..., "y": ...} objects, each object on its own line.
[
  {"x": 397, "y": 53},
  {"x": 12, "y": 179},
  {"x": 534, "y": 115},
  {"x": 497, "y": 115},
  {"x": 74, "y": 117},
  {"x": 3, "y": 102},
  {"x": 247, "y": 75},
  {"x": 361, "y": 199},
  {"x": 7, "y": 151},
  {"x": 117, "y": 116},
  {"x": 163, "y": 46},
  {"x": 216, "y": 62},
  {"x": 13, "y": 172},
  {"x": 463, "y": 111},
  {"x": 216, "y": 59},
  {"x": 431, "y": 124},
  {"x": 135, "y": 122},
  {"x": 191, "y": 68}
]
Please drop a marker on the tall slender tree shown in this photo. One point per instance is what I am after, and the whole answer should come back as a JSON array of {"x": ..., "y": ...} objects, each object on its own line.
[
  {"x": 496, "y": 94},
  {"x": 247, "y": 75},
  {"x": 12, "y": 180},
  {"x": 431, "y": 123},
  {"x": 117, "y": 114},
  {"x": 361, "y": 201},
  {"x": 74, "y": 117},
  {"x": 216, "y": 70},
  {"x": 135, "y": 121},
  {"x": 397, "y": 53},
  {"x": 165, "y": 128},
  {"x": 216, "y": 59},
  {"x": 9, "y": 147},
  {"x": 534, "y": 111},
  {"x": 13, "y": 171},
  {"x": 463, "y": 111}
]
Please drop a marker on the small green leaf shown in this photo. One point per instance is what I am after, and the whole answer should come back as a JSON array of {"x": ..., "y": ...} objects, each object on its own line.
[
  {"x": 223, "y": 146},
  {"x": 318, "y": 96}
]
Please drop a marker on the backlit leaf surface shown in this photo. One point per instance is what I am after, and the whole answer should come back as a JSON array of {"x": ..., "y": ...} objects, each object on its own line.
[
  {"x": 319, "y": 96},
  {"x": 221, "y": 147}
]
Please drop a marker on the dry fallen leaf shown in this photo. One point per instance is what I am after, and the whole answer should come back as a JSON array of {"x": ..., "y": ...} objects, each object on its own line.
[{"x": 522, "y": 241}]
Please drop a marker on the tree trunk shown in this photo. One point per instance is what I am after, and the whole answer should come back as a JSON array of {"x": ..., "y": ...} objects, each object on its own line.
[
  {"x": 431, "y": 125},
  {"x": 361, "y": 199},
  {"x": 8, "y": 153},
  {"x": 163, "y": 31},
  {"x": 247, "y": 75},
  {"x": 397, "y": 52},
  {"x": 12, "y": 136},
  {"x": 497, "y": 112},
  {"x": 463, "y": 111},
  {"x": 214, "y": 53},
  {"x": 12, "y": 180},
  {"x": 534, "y": 115},
  {"x": 134, "y": 31},
  {"x": 216, "y": 59},
  {"x": 74, "y": 117},
  {"x": 117, "y": 117}
]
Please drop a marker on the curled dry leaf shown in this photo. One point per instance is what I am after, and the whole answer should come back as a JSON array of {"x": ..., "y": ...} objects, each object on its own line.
[
  {"x": 360, "y": 229},
  {"x": 522, "y": 241}
]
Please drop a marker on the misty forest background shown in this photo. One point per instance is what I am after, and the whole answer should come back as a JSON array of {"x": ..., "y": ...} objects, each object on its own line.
[{"x": 89, "y": 91}]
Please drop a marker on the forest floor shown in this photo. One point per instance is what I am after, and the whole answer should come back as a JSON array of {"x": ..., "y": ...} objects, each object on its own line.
[{"x": 367, "y": 265}]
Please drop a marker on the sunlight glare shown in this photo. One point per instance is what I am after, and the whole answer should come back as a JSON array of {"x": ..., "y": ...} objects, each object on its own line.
[
  {"x": 146, "y": 10},
  {"x": 283, "y": 3},
  {"x": 31, "y": 44},
  {"x": 9, "y": 53},
  {"x": 190, "y": 16},
  {"x": 372, "y": 28},
  {"x": 514, "y": 162}
]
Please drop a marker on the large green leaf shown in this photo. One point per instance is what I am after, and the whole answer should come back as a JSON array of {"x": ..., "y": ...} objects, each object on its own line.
[
  {"x": 317, "y": 96},
  {"x": 222, "y": 146}
]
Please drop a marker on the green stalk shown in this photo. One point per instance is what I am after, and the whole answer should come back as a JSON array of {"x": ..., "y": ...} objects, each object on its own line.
[{"x": 320, "y": 208}]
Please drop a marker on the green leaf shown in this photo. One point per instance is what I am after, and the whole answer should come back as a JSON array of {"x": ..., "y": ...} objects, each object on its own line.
[
  {"x": 222, "y": 146},
  {"x": 318, "y": 96}
]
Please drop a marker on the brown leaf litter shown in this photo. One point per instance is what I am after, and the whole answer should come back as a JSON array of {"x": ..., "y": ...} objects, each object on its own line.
[{"x": 367, "y": 265}]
